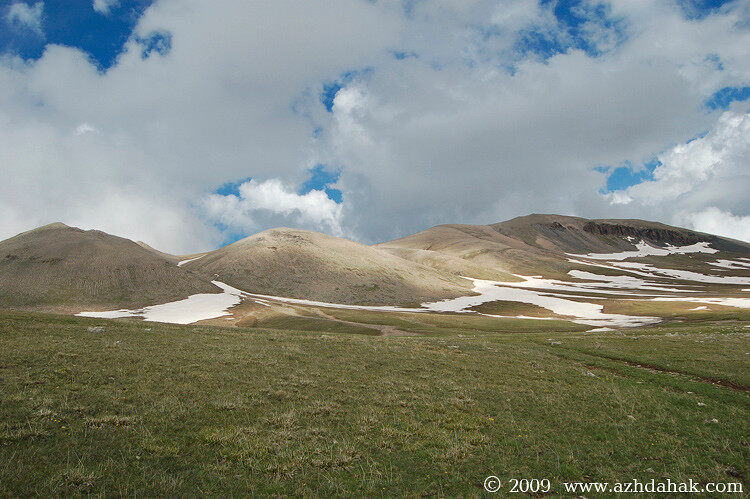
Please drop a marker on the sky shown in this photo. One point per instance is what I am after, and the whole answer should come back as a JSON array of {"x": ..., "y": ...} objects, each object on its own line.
[{"x": 190, "y": 124}]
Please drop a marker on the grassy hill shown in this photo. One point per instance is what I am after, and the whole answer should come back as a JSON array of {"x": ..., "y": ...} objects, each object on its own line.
[{"x": 154, "y": 409}]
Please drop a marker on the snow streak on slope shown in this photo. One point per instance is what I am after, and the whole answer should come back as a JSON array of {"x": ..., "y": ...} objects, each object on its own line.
[
  {"x": 728, "y": 302},
  {"x": 183, "y": 262},
  {"x": 648, "y": 250},
  {"x": 731, "y": 264},
  {"x": 683, "y": 275},
  {"x": 312, "y": 303}
]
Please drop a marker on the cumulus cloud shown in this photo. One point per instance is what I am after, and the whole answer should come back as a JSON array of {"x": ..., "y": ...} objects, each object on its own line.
[
  {"x": 715, "y": 221},
  {"x": 450, "y": 112},
  {"x": 720, "y": 156},
  {"x": 173, "y": 126},
  {"x": 256, "y": 202},
  {"x": 27, "y": 16},
  {"x": 618, "y": 197},
  {"x": 705, "y": 182},
  {"x": 105, "y": 6},
  {"x": 480, "y": 144},
  {"x": 481, "y": 147}
]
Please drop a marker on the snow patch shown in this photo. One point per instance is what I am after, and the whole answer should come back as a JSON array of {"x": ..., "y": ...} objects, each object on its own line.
[
  {"x": 685, "y": 275},
  {"x": 622, "y": 281},
  {"x": 192, "y": 309},
  {"x": 520, "y": 317},
  {"x": 648, "y": 250},
  {"x": 728, "y": 302}
]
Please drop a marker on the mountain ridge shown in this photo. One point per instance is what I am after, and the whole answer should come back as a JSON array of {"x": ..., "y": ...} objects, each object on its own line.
[{"x": 66, "y": 268}]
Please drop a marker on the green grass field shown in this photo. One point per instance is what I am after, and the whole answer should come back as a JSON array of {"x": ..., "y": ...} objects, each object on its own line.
[{"x": 150, "y": 409}]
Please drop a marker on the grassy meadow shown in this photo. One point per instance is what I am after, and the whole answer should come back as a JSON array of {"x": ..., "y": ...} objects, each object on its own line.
[{"x": 152, "y": 409}]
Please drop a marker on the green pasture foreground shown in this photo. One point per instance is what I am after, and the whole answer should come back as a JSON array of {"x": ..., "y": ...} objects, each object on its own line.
[{"x": 148, "y": 409}]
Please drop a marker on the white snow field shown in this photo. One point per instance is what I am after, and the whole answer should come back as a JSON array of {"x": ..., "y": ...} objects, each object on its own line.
[
  {"x": 541, "y": 294},
  {"x": 545, "y": 293},
  {"x": 648, "y": 250},
  {"x": 580, "y": 312},
  {"x": 622, "y": 281},
  {"x": 192, "y": 309},
  {"x": 647, "y": 270},
  {"x": 731, "y": 264}
]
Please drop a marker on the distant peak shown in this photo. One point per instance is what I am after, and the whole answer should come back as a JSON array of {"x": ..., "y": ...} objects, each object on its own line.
[{"x": 53, "y": 225}]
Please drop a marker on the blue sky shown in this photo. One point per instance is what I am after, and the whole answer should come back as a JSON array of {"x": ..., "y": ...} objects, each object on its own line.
[
  {"x": 445, "y": 113},
  {"x": 75, "y": 23}
]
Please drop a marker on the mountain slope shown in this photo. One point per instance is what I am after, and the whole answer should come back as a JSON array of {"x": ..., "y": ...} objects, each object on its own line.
[
  {"x": 65, "y": 268},
  {"x": 480, "y": 246},
  {"x": 541, "y": 243},
  {"x": 307, "y": 265},
  {"x": 559, "y": 233}
]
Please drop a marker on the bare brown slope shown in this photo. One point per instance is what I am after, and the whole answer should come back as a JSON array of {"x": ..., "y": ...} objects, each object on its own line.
[
  {"x": 481, "y": 246},
  {"x": 302, "y": 264},
  {"x": 449, "y": 264},
  {"x": 64, "y": 268}
]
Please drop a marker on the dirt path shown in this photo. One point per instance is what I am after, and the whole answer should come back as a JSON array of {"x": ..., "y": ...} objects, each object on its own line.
[
  {"x": 384, "y": 329},
  {"x": 654, "y": 368}
]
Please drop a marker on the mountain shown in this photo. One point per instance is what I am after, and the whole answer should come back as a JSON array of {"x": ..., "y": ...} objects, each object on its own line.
[
  {"x": 536, "y": 244},
  {"x": 559, "y": 233},
  {"x": 308, "y": 265},
  {"x": 65, "y": 268}
]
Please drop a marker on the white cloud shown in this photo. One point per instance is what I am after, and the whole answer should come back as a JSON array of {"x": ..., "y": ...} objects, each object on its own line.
[
  {"x": 703, "y": 182},
  {"x": 259, "y": 201},
  {"x": 618, "y": 197},
  {"x": 228, "y": 101},
  {"x": 105, "y": 6},
  {"x": 84, "y": 128},
  {"x": 715, "y": 221},
  {"x": 450, "y": 137},
  {"x": 691, "y": 168},
  {"x": 468, "y": 128},
  {"x": 28, "y": 16},
  {"x": 516, "y": 14}
]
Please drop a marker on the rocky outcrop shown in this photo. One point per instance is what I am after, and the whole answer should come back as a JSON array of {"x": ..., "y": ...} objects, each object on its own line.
[{"x": 651, "y": 234}]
